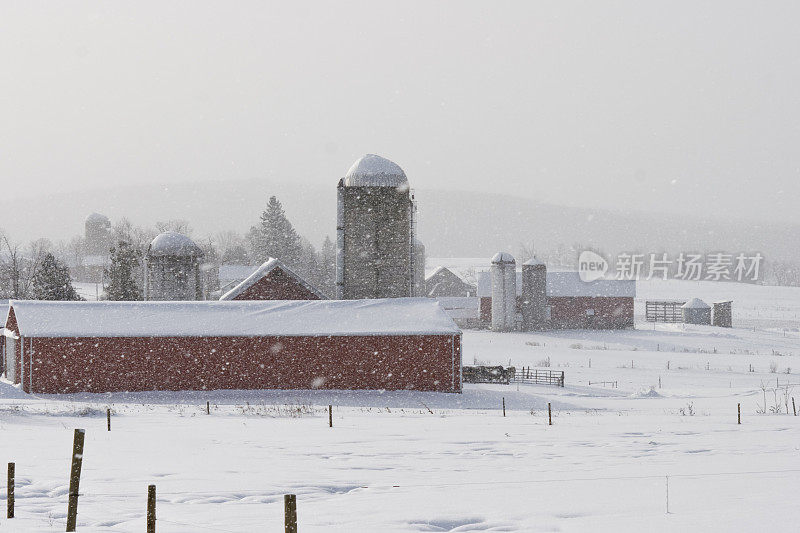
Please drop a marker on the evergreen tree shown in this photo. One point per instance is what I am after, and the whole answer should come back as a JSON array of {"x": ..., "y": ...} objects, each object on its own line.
[
  {"x": 327, "y": 267},
  {"x": 52, "y": 281},
  {"x": 276, "y": 237},
  {"x": 120, "y": 274}
]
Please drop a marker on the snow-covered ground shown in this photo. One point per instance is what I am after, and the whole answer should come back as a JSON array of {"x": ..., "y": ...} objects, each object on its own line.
[{"x": 405, "y": 461}]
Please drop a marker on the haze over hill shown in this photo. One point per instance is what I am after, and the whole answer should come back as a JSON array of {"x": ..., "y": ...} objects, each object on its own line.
[{"x": 451, "y": 223}]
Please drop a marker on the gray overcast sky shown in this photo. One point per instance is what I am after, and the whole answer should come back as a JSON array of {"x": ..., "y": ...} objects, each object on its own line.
[{"x": 670, "y": 106}]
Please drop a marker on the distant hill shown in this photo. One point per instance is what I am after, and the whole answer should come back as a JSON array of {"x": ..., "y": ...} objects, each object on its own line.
[{"x": 451, "y": 223}]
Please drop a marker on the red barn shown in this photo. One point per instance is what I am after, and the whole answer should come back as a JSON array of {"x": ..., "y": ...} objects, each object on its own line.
[
  {"x": 572, "y": 303},
  {"x": 394, "y": 344},
  {"x": 273, "y": 281}
]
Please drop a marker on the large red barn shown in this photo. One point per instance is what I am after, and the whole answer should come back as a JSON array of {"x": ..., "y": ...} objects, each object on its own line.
[{"x": 393, "y": 344}]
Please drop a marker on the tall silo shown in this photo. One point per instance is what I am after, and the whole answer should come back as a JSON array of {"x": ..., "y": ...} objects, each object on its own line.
[
  {"x": 419, "y": 268},
  {"x": 97, "y": 234},
  {"x": 374, "y": 231},
  {"x": 534, "y": 295},
  {"x": 172, "y": 268},
  {"x": 504, "y": 291}
]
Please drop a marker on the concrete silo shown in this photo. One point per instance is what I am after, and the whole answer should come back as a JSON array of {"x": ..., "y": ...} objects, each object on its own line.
[
  {"x": 419, "y": 268},
  {"x": 534, "y": 295},
  {"x": 375, "y": 232},
  {"x": 504, "y": 292},
  {"x": 172, "y": 268},
  {"x": 97, "y": 234},
  {"x": 696, "y": 311}
]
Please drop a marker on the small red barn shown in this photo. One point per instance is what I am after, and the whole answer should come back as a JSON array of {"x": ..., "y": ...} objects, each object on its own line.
[
  {"x": 573, "y": 303},
  {"x": 273, "y": 281},
  {"x": 393, "y": 344}
]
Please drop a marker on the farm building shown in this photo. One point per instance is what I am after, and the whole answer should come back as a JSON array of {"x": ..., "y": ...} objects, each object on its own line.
[
  {"x": 273, "y": 281},
  {"x": 172, "y": 268},
  {"x": 444, "y": 283},
  {"x": 572, "y": 303},
  {"x": 696, "y": 311},
  {"x": 375, "y": 252},
  {"x": 62, "y": 347}
]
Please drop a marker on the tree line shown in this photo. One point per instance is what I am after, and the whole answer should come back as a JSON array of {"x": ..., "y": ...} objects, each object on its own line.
[{"x": 42, "y": 269}]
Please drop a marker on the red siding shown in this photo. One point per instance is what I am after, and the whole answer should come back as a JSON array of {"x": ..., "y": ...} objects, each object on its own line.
[
  {"x": 424, "y": 362},
  {"x": 609, "y": 313},
  {"x": 277, "y": 285}
]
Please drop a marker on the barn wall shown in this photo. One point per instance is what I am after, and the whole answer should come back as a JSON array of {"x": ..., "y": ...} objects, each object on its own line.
[
  {"x": 610, "y": 313},
  {"x": 277, "y": 285},
  {"x": 11, "y": 324},
  {"x": 430, "y": 362}
]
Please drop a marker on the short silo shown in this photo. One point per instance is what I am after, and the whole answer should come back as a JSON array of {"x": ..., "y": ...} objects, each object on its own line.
[
  {"x": 172, "y": 268},
  {"x": 534, "y": 295},
  {"x": 504, "y": 291},
  {"x": 696, "y": 311}
]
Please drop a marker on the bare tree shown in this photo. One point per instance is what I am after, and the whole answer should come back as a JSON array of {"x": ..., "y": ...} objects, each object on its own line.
[{"x": 18, "y": 266}]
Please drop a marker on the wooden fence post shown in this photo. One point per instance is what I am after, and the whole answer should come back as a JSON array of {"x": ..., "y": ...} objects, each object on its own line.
[
  {"x": 549, "y": 415},
  {"x": 290, "y": 513},
  {"x": 738, "y": 413},
  {"x": 151, "y": 509},
  {"x": 75, "y": 478},
  {"x": 330, "y": 416},
  {"x": 793, "y": 407},
  {"x": 208, "y": 408},
  {"x": 108, "y": 417},
  {"x": 10, "y": 498}
]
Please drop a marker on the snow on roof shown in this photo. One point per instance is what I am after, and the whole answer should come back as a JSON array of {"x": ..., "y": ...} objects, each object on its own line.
[
  {"x": 533, "y": 262},
  {"x": 375, "y": 171},
  {"x": 696, "y": 303},
  {"x": 268, "y": 266},
  {"x": 175, "y": 244},
  {"x": 391, "y": 316},
  {"x": 503, "y": 257},
  {"x": 568, "y": 284},
  {"x": 437, "y": 270}
]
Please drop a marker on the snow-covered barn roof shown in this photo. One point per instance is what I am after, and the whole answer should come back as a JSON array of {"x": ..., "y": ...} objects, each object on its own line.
[
  {"x": 569, "y": 284},
  {"x": 441, "y": 269},
  {"x": 268, "y": 266},
  {"x": 395, "y": 316},
  {"x": 375, "y": 171}
]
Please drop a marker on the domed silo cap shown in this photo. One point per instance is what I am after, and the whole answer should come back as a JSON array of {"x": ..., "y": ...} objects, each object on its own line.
[
  {"x": 174, "y": 244},
  {"x": 533, "y": 261},
  {"x": 375, "y": 171},
  {"x": 503, "y": 257}
]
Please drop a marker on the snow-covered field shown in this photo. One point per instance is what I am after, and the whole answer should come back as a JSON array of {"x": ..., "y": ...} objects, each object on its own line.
[{"x": 404, "y": 461}]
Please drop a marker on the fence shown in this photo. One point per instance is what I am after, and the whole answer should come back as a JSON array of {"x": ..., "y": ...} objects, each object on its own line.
[
  {"x": 664, "y": 311},
  {"x": 537, "y": 376}
]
